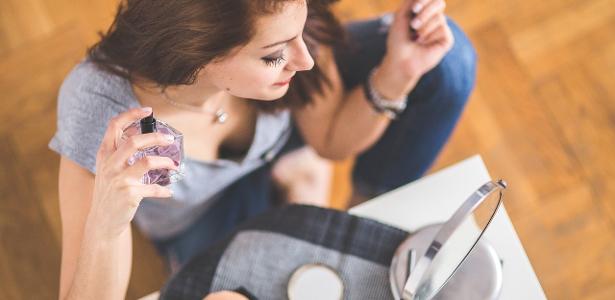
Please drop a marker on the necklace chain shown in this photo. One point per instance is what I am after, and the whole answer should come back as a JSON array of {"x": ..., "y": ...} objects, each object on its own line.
[{"x": 220, "y": 116}]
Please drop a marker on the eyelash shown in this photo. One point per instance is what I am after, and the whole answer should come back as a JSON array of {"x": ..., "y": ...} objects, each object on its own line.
[{"x": 274, "y": 61}]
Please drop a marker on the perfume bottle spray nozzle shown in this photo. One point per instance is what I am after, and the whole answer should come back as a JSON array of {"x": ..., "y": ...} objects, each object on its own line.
[{"x": 148, "y": 124}]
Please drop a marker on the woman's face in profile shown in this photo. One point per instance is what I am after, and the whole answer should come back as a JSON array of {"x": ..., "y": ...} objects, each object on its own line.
[{"x": 263, "y": 68}]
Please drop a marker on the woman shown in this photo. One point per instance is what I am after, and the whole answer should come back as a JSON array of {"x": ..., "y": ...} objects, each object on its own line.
[{"x": 192, "y": 61}]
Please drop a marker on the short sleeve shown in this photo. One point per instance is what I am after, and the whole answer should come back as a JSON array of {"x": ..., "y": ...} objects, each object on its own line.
[{"x": 87, "y": 100}]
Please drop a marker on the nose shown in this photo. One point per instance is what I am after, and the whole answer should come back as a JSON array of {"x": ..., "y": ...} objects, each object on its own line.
[{"x": 301, "y": 59}]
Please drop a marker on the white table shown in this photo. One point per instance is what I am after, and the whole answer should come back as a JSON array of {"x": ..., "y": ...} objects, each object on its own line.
[{"x": 434, "y": 198}]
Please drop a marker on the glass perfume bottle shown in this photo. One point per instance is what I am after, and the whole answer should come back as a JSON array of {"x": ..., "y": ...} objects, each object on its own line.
[{"x": 173, "y": 151}]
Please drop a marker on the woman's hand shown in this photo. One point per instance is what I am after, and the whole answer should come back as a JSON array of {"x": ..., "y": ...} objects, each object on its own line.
[
  {"x": 225, "y": 295},
  {"x": 118, "y": 188},
  {"x": 303, "y": 177},
  {"x": 419, "y": 37}
]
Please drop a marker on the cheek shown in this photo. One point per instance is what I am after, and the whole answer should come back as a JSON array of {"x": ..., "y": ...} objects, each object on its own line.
[
  {"x": 263, "y": 77},
  {"x": 253, "y": 78},
  {"x": 250, "y": 81}
]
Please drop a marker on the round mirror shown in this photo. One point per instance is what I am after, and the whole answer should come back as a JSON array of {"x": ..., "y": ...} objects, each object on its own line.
[
  {"x": 315, "y": 281},
  {"x": 452, "y": 244}
]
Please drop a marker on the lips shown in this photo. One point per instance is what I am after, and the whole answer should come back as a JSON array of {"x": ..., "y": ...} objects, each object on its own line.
[{"x": 283, "y": 83}]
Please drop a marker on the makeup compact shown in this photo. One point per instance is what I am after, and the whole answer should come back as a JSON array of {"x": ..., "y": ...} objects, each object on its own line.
[{"x": 315, "y": 281}]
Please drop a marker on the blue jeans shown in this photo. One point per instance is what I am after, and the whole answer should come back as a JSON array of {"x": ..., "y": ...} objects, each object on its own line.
[{"x": 403, "y": 154}]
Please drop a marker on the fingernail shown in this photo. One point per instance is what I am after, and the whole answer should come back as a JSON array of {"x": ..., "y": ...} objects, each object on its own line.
[
  {"x": 169, "y": 137},
  {"x": 147, "y": 109},
  {"x": 415, "y": 23},
  {"x": 417, "y": 8}
]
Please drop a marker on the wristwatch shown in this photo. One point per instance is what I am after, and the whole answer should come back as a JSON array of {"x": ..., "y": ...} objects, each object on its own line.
[{"x": 391, "y": 108}]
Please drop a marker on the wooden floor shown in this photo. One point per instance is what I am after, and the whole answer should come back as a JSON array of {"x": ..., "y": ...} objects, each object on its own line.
[{"x": 542, "y": 117}]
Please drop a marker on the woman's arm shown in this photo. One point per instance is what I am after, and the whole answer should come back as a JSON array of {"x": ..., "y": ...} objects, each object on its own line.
[
  {"x": 97, "y": 210},
  {"x": 339, "y": 125},
  {"x": 84, "y": 260}
]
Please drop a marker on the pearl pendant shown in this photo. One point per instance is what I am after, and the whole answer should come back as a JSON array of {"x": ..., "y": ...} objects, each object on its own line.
[{"x": 221, "y": 116}]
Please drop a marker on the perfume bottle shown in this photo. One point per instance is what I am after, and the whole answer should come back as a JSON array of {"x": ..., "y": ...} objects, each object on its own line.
[{"x": 173, "y": 151}]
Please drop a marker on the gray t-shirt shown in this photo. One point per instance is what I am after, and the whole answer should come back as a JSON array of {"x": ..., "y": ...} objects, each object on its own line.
[{"x": 90, "y": 97}]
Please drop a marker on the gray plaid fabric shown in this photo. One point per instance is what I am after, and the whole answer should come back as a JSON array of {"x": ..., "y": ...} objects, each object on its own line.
[
  {"x": 262, "y": 262},
  {"x": 261, "y": 255}
]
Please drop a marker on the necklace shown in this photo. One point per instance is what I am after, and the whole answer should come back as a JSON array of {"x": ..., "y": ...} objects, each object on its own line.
[{"x": 220, "y": 116}]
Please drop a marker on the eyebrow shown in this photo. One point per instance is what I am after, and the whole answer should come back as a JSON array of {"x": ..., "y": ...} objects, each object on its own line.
[{"x": 279, "y": 43}]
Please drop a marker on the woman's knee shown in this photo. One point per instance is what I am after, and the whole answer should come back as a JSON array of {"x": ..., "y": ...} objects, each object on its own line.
[{"x": 463, "y": 56}]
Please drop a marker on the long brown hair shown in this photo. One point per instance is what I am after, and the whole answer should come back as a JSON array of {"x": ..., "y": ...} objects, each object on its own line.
[{"x": 168, "y": 42}]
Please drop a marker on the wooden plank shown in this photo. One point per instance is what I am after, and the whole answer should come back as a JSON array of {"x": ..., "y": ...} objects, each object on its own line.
[
  {"x": 535, "y": 142},
  {"x": 22, "y": 21},
  {"x": 41, "y": 165},
  {"x": 607, "y": 293},
  {"x": 543, "y": 38},
  {"x": 574, "y": 96},
  {"x": 574, "y": 241},
  {"x": 474, "y": 14},
  {"x": 518, "y": 16},
  {"x": 31, "y": 77},
  {"x": 95, "y": 16},
  {"x": 349, "y": 10},
  {"x": 341, "y": 185},
  {"x": 61, "y": 12},
  {"x": 478, "y": 132},
  {"x": 600, "y": 67},
  {"x": 27, "y": 244},
  {"x": 580, "y": 49}
]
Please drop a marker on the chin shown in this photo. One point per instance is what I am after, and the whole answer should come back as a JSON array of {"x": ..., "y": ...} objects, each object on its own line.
[
  {"x": 271, "y": 94},
  {"x": 272, "y": 99}
]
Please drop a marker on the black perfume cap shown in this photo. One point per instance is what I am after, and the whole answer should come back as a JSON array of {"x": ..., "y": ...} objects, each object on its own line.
[{"x": 148, "y": 124}]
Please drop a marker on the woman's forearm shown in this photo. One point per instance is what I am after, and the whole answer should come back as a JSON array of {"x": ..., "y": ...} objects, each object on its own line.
[
  {"x": 357, "y": 125},
  {"x": 103, "y": 268}
]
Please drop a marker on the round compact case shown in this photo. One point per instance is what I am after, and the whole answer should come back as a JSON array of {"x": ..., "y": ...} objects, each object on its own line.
[{"x": 302, "y": 252}]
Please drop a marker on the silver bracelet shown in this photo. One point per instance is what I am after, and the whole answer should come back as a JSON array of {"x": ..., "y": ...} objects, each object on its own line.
[{"x": 392, "y": 108}]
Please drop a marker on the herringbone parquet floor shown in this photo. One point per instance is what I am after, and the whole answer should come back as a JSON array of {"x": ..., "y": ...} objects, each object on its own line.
[{"x": 542, "y": 116}]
